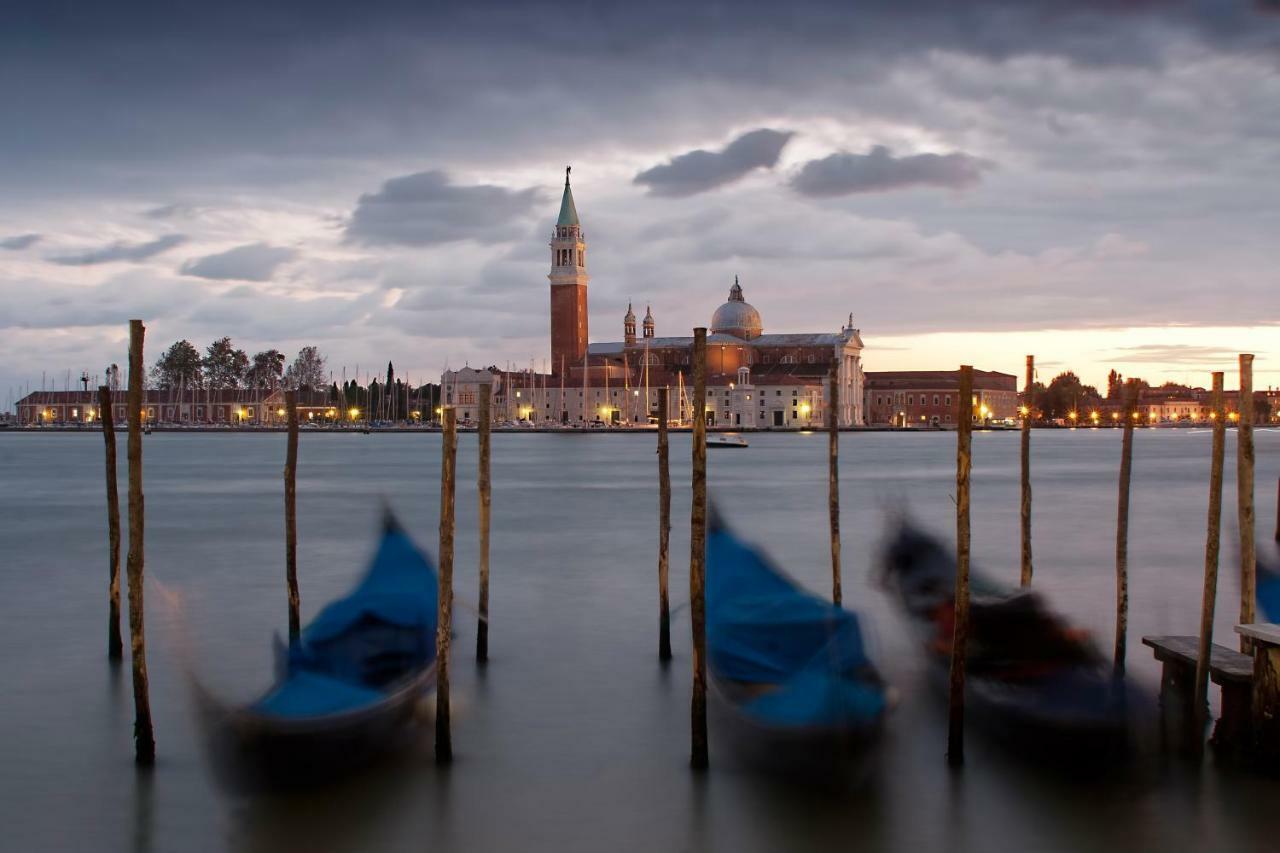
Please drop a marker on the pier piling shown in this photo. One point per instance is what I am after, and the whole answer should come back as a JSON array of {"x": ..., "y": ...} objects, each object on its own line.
[
  {"x": 698, "y": 552},
  {"x": 1244, "y": 500},
  {"x": 483, "y": 489},
  {"x": 960, "y": 631},
  {"x": 106, "y": 413},
  {"x": 1200, "y": 702},
  {"x": 291, "y": 514},
  {"x": 1122, "y": 529},
  {"x": 664, "y": 528},
  {"x": 833, "y": 482},
  {"x": 1028, "y": 412},
  {"x": 144, "y": 741},
  {"x": 444, "y": 620}
]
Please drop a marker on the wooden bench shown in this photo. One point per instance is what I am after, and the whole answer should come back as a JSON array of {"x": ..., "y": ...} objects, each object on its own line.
[
  {"x": 1229, "y": 669},
  {"x": 1265, "y": 706}
]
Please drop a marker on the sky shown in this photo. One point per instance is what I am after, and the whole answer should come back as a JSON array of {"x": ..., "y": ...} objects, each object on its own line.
[{"x": 1093, "y": 182}]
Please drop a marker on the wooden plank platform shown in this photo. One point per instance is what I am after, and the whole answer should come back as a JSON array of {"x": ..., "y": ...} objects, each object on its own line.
[
  {"x": 1264, "y": 632},
  {"x": 1225, "y": 665}
]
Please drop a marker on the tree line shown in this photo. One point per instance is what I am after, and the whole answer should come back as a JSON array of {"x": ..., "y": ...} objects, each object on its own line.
[
  {"x": 1065, "y": 394},
  {"x": 224, "y": 366}
]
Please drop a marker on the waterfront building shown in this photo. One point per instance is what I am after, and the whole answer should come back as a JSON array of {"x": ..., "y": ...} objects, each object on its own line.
[
  {"x": 927, "y": 397},
  {"x": 194, "y": 407},
  {"x": 754, "y": 379}
]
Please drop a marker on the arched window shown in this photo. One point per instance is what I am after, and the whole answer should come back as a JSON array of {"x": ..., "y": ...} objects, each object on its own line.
[
  {"x": 787, "y": 359},
  {"x": 653, "y": 360}
]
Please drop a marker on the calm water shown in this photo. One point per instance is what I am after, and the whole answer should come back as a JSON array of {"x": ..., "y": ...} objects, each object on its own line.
[{"x": 574, "y": 738}]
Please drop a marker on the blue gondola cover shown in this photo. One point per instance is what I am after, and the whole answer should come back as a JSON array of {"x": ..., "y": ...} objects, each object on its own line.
[
  {"x": 763, "y": 629},
  {"x": 362, "y": 643}
]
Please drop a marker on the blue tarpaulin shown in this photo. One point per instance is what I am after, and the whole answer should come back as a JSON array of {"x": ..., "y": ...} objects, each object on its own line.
[
  {"x": 382, "y": 630},
  {"x": 1268, "y": 589},
  {"x": 763, "y": 629}
]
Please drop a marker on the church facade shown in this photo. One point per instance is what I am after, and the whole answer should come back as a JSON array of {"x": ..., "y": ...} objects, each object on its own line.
[{"x": 754, "y": 379}]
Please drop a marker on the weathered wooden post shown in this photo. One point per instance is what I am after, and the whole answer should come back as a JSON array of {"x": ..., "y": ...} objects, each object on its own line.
[
  {"x": 833, "y": 482},
  {"x": 483, "y": 488},
  {"x": 1122, "y": 529},
  {"x": 1244, "y": 500},
  {"x": 698, "y": 552},
  {"x": 1028, "y": 412},
  {"x": 444, "y": 619},
  {"x": 960, "y": 631},
  {"x": 1212, "y": 540},
  {"x": 1265, "y": 705},
  {"x": 291, "y": 514},
  {"x": 115, "y": 647},
  {"x": 664, "y": 528},
  {"x": 144, "y": 741}
]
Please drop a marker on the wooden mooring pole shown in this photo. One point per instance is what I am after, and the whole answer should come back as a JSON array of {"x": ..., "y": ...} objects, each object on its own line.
[
  {"x": 483, "y": 489},
  {"x": 1209, "y": 598},
  {"x": 664, "y": 528},
  {"x": 698, "y": 552},
  {"x": 106, "y": 413},
  {"x": 144, "y": 741},
  {"x": 960, "y": 631},
  {"x": 1122, "y": 530},
  {"x": 444, "y": 618},
  {"x": 291, "y": 515},
  {"x": 1028, "y": 412},
  {"x": 1244, "y": 500},
  {"x": 833, "y": 482}
]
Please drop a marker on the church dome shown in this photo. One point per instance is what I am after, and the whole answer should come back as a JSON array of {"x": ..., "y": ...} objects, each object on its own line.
[{"x": 737, "y": 317}]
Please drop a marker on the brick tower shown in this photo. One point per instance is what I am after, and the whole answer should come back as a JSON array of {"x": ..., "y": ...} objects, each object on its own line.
[{"x": 568, "y": 286}]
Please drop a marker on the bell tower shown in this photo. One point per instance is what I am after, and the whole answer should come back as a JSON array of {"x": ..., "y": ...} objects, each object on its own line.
[{"x": 568, "y": 286}]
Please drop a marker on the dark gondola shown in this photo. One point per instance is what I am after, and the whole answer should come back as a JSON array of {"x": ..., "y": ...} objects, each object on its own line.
[
  {"x": 1268, "y": 582},
  {"x": 1030, "y": 677},
  {"x": 788, "y": 668},
  {"x": 348, "y": 689}
]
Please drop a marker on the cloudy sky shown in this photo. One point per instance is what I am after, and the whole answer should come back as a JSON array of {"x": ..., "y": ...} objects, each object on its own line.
[{"x": 1094, "y": 182}]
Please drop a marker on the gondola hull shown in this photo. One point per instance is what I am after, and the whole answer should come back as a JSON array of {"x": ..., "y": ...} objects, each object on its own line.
[
  {"x": 806, "y": 751},
  {"x": 1066, "y": 703},
  {"x": 251, "y": 750}
]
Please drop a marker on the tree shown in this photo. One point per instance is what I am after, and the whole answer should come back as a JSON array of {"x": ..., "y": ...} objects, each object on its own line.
[
  {"x": 224, "y": 365},
  {"x": 1064, "y": 395},
  {"x": 266, "y": 370},
  {"x": 179, "y": 367},
  {"x": 307, "y": 371},
  {"x": 1114, "y": 383}
]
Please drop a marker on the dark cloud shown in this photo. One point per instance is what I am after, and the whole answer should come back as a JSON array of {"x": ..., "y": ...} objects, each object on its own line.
[
  {"x": 254, "y": 262},
  {"x": 21, "y": 241},
  {"x": 426, "y": 208},
  {"x": 879, "y": 171},
  {"x": 169, "y": 211},
  {"x": 120, "y": 251},
  {"x": 1182, "y": 354},
  {"x": 698, "y": 171}
]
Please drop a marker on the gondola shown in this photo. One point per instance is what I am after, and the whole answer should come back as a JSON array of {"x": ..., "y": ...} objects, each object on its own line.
[
  {"x": 1030, "y": 676},
  {"x": 788, "y": 668},
  {"x": 348, "y": 688},
  {"x": 1268, "y": 583}
]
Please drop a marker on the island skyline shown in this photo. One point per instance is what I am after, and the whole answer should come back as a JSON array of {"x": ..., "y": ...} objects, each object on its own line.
[{"x": 975, "y": 190}]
